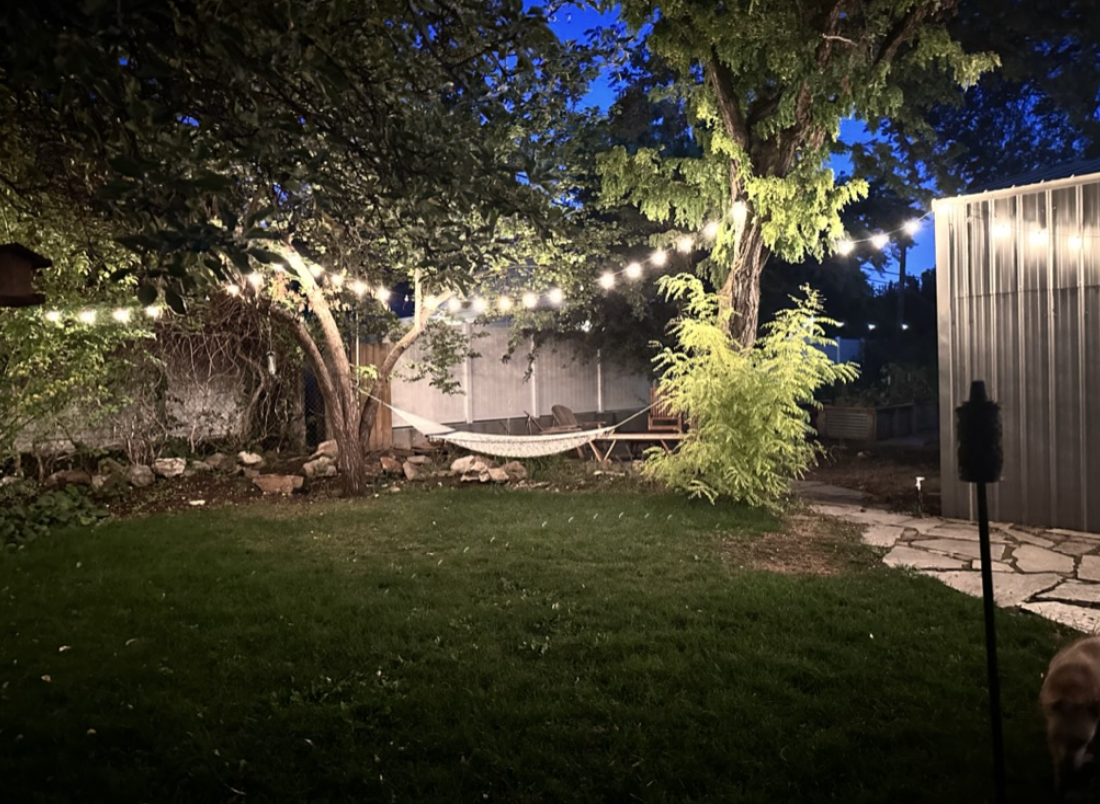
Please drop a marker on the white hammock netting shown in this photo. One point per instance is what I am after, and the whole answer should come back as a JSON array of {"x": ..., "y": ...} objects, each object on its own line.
[{"x": 504, "y": 446}]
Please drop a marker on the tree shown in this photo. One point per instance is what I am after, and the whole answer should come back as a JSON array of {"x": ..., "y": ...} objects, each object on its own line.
[
  {"x": 298, "y": 153},
  {"x": 766, "y": 83}
]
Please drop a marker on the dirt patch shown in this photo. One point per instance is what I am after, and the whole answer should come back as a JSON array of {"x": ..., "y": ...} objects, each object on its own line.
[
  {"x": 888, "y": 474},
  {"x": 807, "y": 545}
]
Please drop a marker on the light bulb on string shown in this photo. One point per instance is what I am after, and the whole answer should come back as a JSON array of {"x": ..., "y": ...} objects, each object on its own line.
[
  {"x": 358, "y": 287},
  {"x": 454, "y": 304},
  {"x": 710, "y": 231},
  {"x": 740, "y": 213},
  {"x": 232, "y": 289},
  {"x": 317, "y": 271},
  {"x": 530, "y": 300},
  {"x": 659, "y": 257},
  {"x": 1074, "y": 242},
  {"x": 121, "y": 315},
  {"x": 556, "y": 296},
  {"x": 1038, "y": 236},
  {"x": 336, "y": 279},
  {"x": 431, "y": 301},
  {"x": 479, "y": 305},
  {"x": 685, "y": 244},
  {"x": 880, "y": 240},
  {"x": 870, "y": 326},
  {"x": 845, "y": 247},
  {"x": 912, "y": 227},
  {"x": 634, "y": 270},
  {"x": 152, "y": 311},
  {"x": 256, "y": 280},
  {"x": 278, "y": 268},
  {"x": 504, "y": 303},
  {"x": 86, "y": 316},
  {"x": 53, "y": 316},
  {"x": 383, "y": 295},
  {"x": 607, "y": 281},
  {"x": 1001, "y": 230}
]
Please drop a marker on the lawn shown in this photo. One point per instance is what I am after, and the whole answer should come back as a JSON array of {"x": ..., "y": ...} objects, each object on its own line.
[{"x": 465, "y": 645}]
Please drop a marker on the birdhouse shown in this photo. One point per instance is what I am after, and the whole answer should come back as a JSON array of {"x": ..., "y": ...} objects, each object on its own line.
[{"x": 17, "y": 266}]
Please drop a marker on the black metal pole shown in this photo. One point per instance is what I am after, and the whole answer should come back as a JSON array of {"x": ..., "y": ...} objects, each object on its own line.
[{"x": 991, "y": 649}]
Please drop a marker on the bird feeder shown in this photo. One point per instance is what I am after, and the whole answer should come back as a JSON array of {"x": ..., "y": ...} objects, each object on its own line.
[{"x": 17, "y": 266}]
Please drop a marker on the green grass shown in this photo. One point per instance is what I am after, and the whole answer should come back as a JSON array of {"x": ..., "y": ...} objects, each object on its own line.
[{"x": 477, "y": 644}]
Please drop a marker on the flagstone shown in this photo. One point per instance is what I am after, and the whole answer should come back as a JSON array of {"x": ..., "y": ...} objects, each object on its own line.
[
  {"x": 1075, "y": 548},
  {"x": 1087, "y": 620},
  {"x": 963, "y": 532},
  {"x": 1038, "y": 559},
  {"x": 1074, "y": 534},
  {"x": 1089, "y": 568},
  {"x": 882, "y": 535},
  {"x": 1008, "y": 590},
  {"x": 922, "y": 524},
  {"x": 1073, "y": 592},
  {"x": 1028, "y": 538},
  {"x": 958, "y": 547},
  {"x": 902, "y": 556},
  {"x": 998, "y": 566}
]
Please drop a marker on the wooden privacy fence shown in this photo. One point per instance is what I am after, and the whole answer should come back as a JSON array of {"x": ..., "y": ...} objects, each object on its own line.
[{"x": 381, "y": 435}]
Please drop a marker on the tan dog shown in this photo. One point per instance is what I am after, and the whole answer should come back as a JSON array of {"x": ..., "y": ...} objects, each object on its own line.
[{"x": 1070, "y": 699}]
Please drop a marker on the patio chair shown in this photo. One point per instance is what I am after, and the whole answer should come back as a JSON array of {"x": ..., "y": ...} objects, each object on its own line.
[
  {"x": 661, "y": 417},
  {"x": 564, "y": 417}
]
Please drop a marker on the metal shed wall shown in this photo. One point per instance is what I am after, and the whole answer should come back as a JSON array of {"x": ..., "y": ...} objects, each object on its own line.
[{"x": 1018, "y": 283}]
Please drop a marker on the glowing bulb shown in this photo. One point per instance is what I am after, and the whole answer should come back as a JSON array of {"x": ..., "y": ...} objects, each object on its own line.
[
  {"x": 634, "y": 270},
  {"x": 431, "y": 301},
  {"x": 504, "y": 303},
  {"x": 607, "y": 281},
  {"x": 685, "y": 244},
  {"x": 53, "y": 316},
  {"x": 121, "y": 315},
  {"x": 870, "y": 326},
  {"x": 86, "y": 317},
  {"x": 382, "y": 294},
  {"x": 336, "y": 279},
  {"x": 586, "y": 326},
  {"x": 317, "y": 271},
  {"x": 479, "y": 305},
  {"x": 152, "y": 311},
  {"x": 256, "y": 280},
  {"x": 555, "y": 296},
  {"x": 1001, "y": 230},
  {"x": 912, "y": 227},
  {"x": 905, "y": 326},
  {"x": 740, "y": 212},
  {"x": 880, "y": 240},
  {"x": 845, "y": 247},
  {"x": 454, "y": 304},
  {"x": 710, "y": 231},
  {"x": 278, "y": 267},
  {"x": 1074, "y": 242},
  {"x": 232, "y": 289},
  {"x": 659, "y": 258},
  {"x": 530, "y": 300},
  {"x": 1038, "y": 236},
  {"x": 359, "y": 287}
]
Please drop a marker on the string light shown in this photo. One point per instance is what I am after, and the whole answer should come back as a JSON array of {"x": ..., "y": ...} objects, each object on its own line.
[
  {"x": 880, "y": 240},
  {"x": 86, "y": 316},
  {"x": 359, "y": 287},
  {"x": 659, "y": 258},
  {"x": 53, "y": 316},
  {"x": 607, "y": 281},
  {"x": 634, "y": 270},
  {"x": 912, "y": 227},
  {"x": 479, "y": 305},
  {"x": 382, "y": 294},
  {"x": 232, "y": 289},
  {"x": 845, "y": 247},
  {"x": 317, "y": 271},
  {"x": 278, "y": 268},
  {"x": 121, "y": 315},
  {"x": 256, "y": 280},
  {"x": 556, "y": 296},
  {"x": 685, "y": 244},
  {"x": 1038, "y": 236},
  {"x": 454, "y": 304},
  {"x": 1074, "y": 243},
  {"x": 336, "y": 279},
  {"x": 1001, "y": 230},
  {"x": 153, "y": 311},
  {"x": 530, "y": 300},
  {"x": 710, "y": 231},
  {"x": 504, "y": 303}
]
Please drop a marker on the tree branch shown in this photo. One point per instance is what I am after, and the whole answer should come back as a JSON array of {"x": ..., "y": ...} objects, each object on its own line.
[{"x": 729, "y": 106}]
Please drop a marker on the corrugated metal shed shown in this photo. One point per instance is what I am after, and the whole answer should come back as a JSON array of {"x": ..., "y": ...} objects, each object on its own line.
[{"x": 1018, "y": 284}]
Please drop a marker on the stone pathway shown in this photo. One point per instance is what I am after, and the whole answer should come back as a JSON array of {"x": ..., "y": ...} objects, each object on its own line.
[{"x": 1052, "y": 572}]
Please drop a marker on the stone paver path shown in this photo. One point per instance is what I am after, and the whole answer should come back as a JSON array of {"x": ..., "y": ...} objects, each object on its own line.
[{"x": 1052, "y": 572}]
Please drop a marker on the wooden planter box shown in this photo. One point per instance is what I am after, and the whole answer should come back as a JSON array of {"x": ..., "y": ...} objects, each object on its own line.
[{"x": 855, "y": 423}]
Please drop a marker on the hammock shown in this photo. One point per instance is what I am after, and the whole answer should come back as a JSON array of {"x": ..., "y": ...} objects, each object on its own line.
[{"x": 505, "y": 446}]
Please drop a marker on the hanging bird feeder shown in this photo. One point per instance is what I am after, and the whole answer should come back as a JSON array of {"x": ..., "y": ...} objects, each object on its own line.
[{"x": 17, "y": 266}]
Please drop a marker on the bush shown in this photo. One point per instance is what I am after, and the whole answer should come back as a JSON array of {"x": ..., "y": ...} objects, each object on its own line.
[
  {"x": 748, "y": 408},
  {"x": 25, "y": 517}
]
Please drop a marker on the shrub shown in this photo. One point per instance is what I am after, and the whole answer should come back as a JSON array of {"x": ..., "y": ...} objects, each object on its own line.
[
  {"x": 24, "y": 517},
  {"x": 748, "y": 408}
]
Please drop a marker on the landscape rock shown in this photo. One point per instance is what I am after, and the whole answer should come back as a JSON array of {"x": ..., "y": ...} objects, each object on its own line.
[
  {"x": 109, "y": 466},
  {"x": 391, "y": 465},
  {"x": 69, "y": 477},
  {"x": 1038, "y": 559},
  {"x": 516, "y": 470},
  {"x": 412, "y": 470},
  {"x": 140, "y": 475},
  {"x": 498, "y": 475},
  {"x": 169, "y": 467},
  {"x": 464, "y": 464},
  {"x": 1089, "y": 570},
  {"x": 326, "y": 449},
  {"x": 321, "y": 467},
  {"x": 199, "y": 467},
  {"x": 250, "y": 473},
  {"x": 418, "y": 459},
  {"x": 114, "y": 483},
  {"x": 278, "y": 484},
  {"x": 221, "y": 462},
  {"x": 250, "y": 459}
]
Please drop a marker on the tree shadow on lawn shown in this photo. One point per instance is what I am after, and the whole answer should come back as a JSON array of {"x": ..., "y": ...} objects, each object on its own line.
[{"x": 477, "y": 644}]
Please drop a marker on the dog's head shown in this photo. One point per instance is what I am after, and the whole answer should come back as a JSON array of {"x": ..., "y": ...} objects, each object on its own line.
[{"x": 1071, "y": 728}]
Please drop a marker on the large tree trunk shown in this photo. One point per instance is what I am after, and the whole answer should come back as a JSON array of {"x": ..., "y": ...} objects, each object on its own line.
[{"x": 740, "y": 293}]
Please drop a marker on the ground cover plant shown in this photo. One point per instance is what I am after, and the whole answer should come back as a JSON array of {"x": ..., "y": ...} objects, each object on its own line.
[{"x": 494, "y": 645}]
